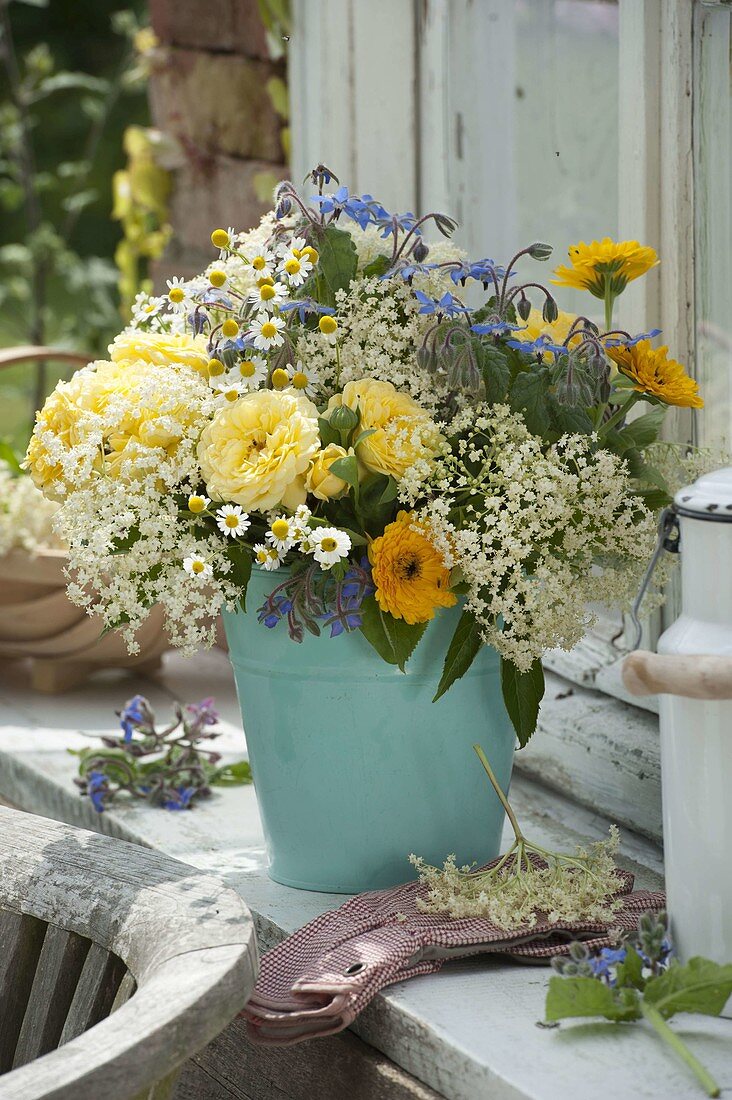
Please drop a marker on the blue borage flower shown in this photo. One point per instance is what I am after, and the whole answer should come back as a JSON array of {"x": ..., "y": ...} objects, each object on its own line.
[
  {"x": 135, "y": 715},
  {"x": 624, "y": 340},
  {"x": 305, "y": 306},
  {"x": 97, "y": 788},
  {"x": 311, "y": 597},
  {"x": 483, "y": 271},
  {"x": 448, "y": 305},
  {"x": 495, "y": 328},
  {"x": 212, "y": 297},
  {"x": 179, "y": 798},
  {"x": 538, "y": 346},
  {"x": 365, "y": 211}
]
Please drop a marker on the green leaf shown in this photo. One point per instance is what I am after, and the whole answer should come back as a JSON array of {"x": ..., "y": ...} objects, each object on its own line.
[
  {"x": 462, "y": 651},
  {"x": 495, "y": 371},
  {"x": 528, "y": 396},
  {"x": 241, "y": 569},
  {"x": 630, "y": 971},
  {"x": 645, "y": 429},
  {"x": 522, "y": 694},
  {"x": 699, "y": 986},
  {"x": 61, "y": 82},
  {"x": 393, "y": 639},
  {"x": 232, "y": 775},
  {"x": 336, "y": 266},
  {"x": 328, "y": 434},
  {"x": 568, "y": 418},
  {"x": 8, "y": 455},
  {"x": 347, "y": 470},
  {"x": 377, "y": 267},
  {"x": 568, "y": 997}
]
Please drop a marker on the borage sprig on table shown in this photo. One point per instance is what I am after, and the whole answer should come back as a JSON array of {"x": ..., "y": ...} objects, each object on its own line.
[
  {"x": 167, "y": 767},
  {"x": 640, "y": 979}
]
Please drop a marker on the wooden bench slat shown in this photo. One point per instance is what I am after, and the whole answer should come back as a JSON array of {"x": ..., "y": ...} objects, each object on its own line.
[
  {"x": 127, "y": 987},
  {"x": 95, "y": 992},
  {"x": 57, "y": 975},
  {"x": 21, "y": 940}
]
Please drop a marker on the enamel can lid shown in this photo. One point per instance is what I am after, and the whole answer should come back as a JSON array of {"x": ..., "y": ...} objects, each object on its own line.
[{"x": 709, "y": 498}]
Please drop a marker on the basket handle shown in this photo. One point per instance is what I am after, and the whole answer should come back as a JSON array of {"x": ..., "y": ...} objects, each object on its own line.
[{"x": 694, "y": 676}]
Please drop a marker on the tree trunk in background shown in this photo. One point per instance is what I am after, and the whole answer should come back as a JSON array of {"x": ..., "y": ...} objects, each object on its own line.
[{"x": 210, "y": 93}]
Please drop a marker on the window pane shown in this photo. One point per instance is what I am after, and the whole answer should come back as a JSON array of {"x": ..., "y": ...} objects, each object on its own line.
[
  {"x": 713, "y": 215},
  {"x": 566, "y": 126}
]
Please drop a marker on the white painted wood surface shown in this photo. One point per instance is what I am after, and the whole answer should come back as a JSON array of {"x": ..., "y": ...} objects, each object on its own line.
[{"x": 468, "y": 1032}]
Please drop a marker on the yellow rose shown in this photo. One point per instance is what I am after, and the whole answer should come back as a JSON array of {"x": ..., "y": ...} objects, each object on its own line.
[
  {"x": 161, "y": 348},
  {"x": 59, "y": 416},
  {"x": 402, "y": 431},
  {"x": 107, "y": 414},
  {"x": 320, "y": 481},
  {"x": 256, "y": 452}
]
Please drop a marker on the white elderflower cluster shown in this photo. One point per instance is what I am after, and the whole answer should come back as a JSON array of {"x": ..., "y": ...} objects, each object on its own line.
[
  {"x": 379, "y": 330},
  {"x": 534, "y": 522},
  {"x": 26, "y": 517}
]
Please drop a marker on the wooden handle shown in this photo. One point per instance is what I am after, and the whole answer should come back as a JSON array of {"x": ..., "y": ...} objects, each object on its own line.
[
  {"x": 31, "y": 353},
  {"x": 695, "y": 677}
]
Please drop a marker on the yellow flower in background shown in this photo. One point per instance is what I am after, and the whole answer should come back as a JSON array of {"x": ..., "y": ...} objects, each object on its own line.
[
  {"x": 257, "y": 451},
  {"x": 557, "y": 331},
  {"x": 402, "y": 431},
  {"x": 161, "y": 348},
  {"x": 605, "y": 267},
  {"x": 320, "y": 481},
  {"x": 410, "y": 575},
  {"x": 654, "y": 374}
]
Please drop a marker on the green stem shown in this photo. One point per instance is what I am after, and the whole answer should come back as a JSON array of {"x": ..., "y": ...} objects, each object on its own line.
[
  {"x": 621, "y": 413},
  {"x": 503, "y": 800},
  {"x": 609, "y": 301},
  {"x": 657, "y": 1022}
]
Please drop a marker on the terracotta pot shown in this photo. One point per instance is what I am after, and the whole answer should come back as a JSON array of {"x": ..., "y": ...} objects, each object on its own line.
[{"x": 38, "y": 620}]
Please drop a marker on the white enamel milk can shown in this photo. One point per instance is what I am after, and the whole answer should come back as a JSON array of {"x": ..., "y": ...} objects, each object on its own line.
[{"x": 692, "y": 673}]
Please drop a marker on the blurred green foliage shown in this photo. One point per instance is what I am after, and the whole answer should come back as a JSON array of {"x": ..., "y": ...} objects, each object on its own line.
[{"x": 70, "y": 83}]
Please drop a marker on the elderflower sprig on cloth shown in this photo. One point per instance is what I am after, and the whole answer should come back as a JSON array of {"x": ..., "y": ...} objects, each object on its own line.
[
  {"x": 527, "y": 883},
  {"x": 640, "y": 979},
  {"x": 168, "y": 767},
  {"x": 325, "y": 403}
]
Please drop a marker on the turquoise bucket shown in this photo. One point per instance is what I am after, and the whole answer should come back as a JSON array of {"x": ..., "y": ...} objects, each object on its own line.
[{"x": 354, "y": 765}]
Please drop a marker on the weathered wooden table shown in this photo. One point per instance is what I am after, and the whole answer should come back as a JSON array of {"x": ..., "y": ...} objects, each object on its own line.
[{"x": 467, "y": 1033}]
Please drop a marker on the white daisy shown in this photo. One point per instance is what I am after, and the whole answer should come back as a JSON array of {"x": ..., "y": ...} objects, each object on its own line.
[
  {"x": 196, "y": 566},
  {"x": 295, "y": 268},
  {"x": 304, "y": 380},
  {"x": 263, "y": 261},
  {"x": 266, "y": 331},
  {"x": 266, "y": 557},
  {"x": 198, "y": 503},
  {"x": 228, "y": 388},
  {"x": 178, "y": 294},
  {"x": 145, "y": 306},
  {"x": 301, "y": 522},
  {"x": 281, "y": 534},
  {"x": 268, "y": 296},
  {"x": 232, "y": 520},
  {"x": 329, "y": 545},
  {"x": 251, "y": 373}
]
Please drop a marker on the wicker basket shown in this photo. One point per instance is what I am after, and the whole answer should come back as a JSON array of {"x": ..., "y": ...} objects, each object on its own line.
[{"x": 37, "y": 620}]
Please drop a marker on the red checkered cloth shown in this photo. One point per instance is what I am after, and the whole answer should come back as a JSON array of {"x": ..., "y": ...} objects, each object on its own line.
[{"x": 317, "y": 981}]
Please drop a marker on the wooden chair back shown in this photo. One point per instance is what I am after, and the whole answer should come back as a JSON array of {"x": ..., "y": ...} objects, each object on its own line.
[{"x": 116, "y": 963}]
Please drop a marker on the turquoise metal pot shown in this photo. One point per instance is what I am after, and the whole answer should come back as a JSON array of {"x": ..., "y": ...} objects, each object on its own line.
[{"x": 354, "y": 765}]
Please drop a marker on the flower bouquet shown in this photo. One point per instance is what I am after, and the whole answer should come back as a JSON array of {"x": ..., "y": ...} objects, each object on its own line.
[{"x": 321, "y": 429}]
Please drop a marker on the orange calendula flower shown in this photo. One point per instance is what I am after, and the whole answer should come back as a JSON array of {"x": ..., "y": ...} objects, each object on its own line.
[
  {"x": 409, "y": 573},
  {"x": 653, "y": 373},
  {"x": 605, "y": 267}
]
